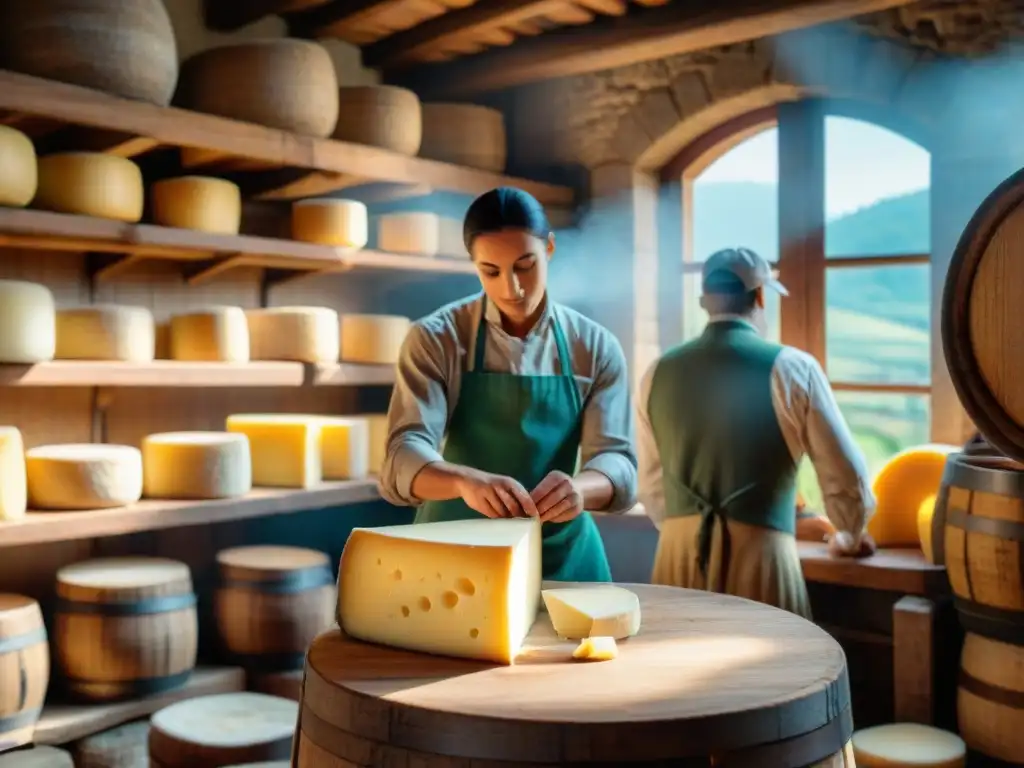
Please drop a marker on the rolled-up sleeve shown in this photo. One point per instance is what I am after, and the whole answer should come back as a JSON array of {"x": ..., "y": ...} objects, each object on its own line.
[{"x": 651, "y": 484}]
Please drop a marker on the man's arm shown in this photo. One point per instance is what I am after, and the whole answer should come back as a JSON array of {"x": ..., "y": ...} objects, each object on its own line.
[{"x": 651, "y": 482}]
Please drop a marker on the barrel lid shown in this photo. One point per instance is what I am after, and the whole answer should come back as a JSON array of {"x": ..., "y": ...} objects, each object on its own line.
[
  {"x": 123, "y": 573},
  {"x": 272, "y": 559},
  {"x": 228, "y": 719},
  {"x": 18, "y": 614}
]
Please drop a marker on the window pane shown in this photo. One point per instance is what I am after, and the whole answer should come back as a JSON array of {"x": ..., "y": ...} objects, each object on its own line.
[
  {"x": 877, "y": 187},
  {"x": 695, "y": 318},
  {"x": 878, "y": 323}
]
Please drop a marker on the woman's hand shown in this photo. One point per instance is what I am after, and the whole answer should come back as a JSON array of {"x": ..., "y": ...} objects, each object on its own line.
[
  {"x": 495, "y": 495},
  {"x": 840, "y": 545},
  {"x": 557, "y": 498}
]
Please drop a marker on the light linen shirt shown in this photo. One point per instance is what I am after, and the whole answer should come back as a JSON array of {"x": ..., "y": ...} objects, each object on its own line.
[{"x": 442, "y": 345}]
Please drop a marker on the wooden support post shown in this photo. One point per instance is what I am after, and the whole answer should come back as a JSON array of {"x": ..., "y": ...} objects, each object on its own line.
[{"x": 914, "y": 667}]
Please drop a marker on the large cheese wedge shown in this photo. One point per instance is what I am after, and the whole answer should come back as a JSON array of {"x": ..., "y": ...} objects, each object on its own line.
[
  {"x": 908, "y": 745},
  {"x": 18, "y": 175},
  {"x": 13, "y": 489},
  {"x": 338, "y": 223},
  {"x": 600, "y": 611},
  {"x": 28, "y": 323},
  {"x": 301, "y": 334},
  {"x": 415, "y": 233},
  {"x": 596, "y": 649},
  {"x": 83, "y": 476},
  {"x": 196, "y": 465},
  {"x": 285, "y": 448},
  {"x": 373, "y": 339},
  {"x": 91, "y": 184},
  {"x": 345, "y": 448},
  {"x": 212, "y": 335},
  {"x": 468, "y": 588},
  {"x": 106, "y": 332},
  {"x": 906, "y": 480},
  {"x": 197, "y": 202}
]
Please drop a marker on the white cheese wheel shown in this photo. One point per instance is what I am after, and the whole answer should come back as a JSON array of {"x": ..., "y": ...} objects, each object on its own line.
[
  {"x": 198, "y": 202},
  {"x": 285, "y": 448},
  {"x": 338, "y": 223},
  {"x": 301, "y": 334},
  {"x": 13, "y": 489},
  {"x": 345, "y": 448},
  {"x": 415, "y": 233},
  {"x": 373, "y": 339},
  {"x": 451, "y": 242},
  {"x": 126, "y": 746},
  {"x": 902, "y": 745},
  {"x": 19, "y": 176},
  {"x": 91, "y": 184},
  {"x": 378, "y": 423},
  {"x": 38, "y": 757},
  {"x": 83, "y": 476},
  {"x": 106, "y": 332},
  {"x": 196, "y": 465},
  {"x": 212, "y": 335},
  {"x": 28, "y": 323}
]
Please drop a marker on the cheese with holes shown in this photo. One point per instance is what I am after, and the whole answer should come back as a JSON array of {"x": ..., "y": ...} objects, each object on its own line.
[
  {"x": 106, "y": 332},
  {"x": 373, "y": 339},
  {"x": 83, "y": 476},
  {"x": 596, "y": 649},
  {"x": 301, "y": 334},
  {"x": 338, "y": 223},
  {"x": 90, "y": 184},
  {"x": 467, "y": 588},
  {"x": 212, "y": 335},
  {"x": 196, "y": 465},
  {"x": 906, "y": 480},
  {"x": 285, "y": 448},
  {"x": 602, "y": 611},
  {"x": 18, "y": 174},
  {"x": 345, "y": 448},
  {"x": 28, "y": 323},
  {"x": 13, "y": 491},
  {"x": 925, "y": 515},
  {"x": 197, "y": 202},
  {"x": 378, "y": 425},
  {"x": 906, "y": 745},
  {"x": 418, "y": 234}
]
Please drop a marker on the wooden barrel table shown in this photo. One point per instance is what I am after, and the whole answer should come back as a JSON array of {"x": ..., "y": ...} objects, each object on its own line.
[{"x": 709, "y": 680}]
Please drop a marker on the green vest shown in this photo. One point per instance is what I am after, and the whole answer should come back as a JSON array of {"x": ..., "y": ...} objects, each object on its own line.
[{"x": 722, "y": 451}]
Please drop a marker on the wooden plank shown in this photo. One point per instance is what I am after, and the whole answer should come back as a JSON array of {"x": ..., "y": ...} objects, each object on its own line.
[
  {"x": 913, "y": 649},
  {"x": 231, "y": 15},
  {"x": 312, "y": 22},
  {"x": 893, "y": 570}
]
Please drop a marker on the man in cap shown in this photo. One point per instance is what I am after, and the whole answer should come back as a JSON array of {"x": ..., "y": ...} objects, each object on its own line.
[{"x": 724, "y": 421}]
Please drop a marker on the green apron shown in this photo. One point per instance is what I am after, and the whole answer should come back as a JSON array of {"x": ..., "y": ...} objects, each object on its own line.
[{"x": 524, "y": 427}]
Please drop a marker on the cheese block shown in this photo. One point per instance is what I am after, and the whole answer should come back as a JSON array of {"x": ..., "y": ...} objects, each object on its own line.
[
  {"x": 91, "y": 184},
  {"x": 416, "y": 233},
  {"x": 28, "y": 323},
  {"x": 450, "y": 240},
  {"x": 13, "y": 488},
  {"x": 373, "y": 339},
  {"x": 83, "y": 476},
  {"x": 126, "y": 746},
  {"x": 925, "y": 514},
  {"x": 338, "y": 223},
  {"x": 197, "y": 202},
  {"x": 345, "y": 448},
  {"x": 106, "y": 332},
  {"x": 908, "y": 745},
  {"x": 378, "y": 424},
  {"x": 38, "y": 757},
  {"x": 285, "y": 448},
  {"x": 601, "y": 611},
  {"x": 211, "y": 335},
  {"x": 596, "y": 649},
  {"x": 301, "y": 334},
  {"x": 18, "y": 174},
  {"x": 468, "y": 588},
  {"x": 906, "y": 480},
  {"x": 196, "y": 465}
]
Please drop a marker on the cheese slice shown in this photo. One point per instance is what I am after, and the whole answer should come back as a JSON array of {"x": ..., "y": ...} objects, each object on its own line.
[
  {"x": 285, "y": 448},
  {"x": 28, "y": 323},
  {"x": 13, "y": 490},
  {"x": 373, "y": 339},
  {"x": 596, "y": 649},
  {"x": 906, "y": 745},
  {"x": 925, "y": 514},
  {"x": 196, "y": 465},
  {"x": 83, "y": 476},
  {"x": 600, "y": 611},
  {"x": 106, "y": 332},
  {"x": 91, "y": 184},
  {"x": 345, "y": 448},
  {"x": 900, "y": 487},
  {"x": 212, "y": 335},
  {"x": 338, "y": 223},
  {"x": 300, "y": 334},
  {"x": 18, "y": 174},
  {"x": 468, "y": 588}
]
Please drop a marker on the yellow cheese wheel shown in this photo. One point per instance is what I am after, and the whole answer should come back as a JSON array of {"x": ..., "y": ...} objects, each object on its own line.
[
  {"x": 285, "y": 448},
  {"x": 378, "y": 423},
  {"x": 906, "y": 480},
  {"x": 198, "y": 202},
  {"x": 416, "y": 233},
  {"x": 925, "y": 514},
  {"x": 18, "y": 175},
  {"x": 338, "y": 223},
  {"x": 213, "y": 335},
  {"x": 345, "y": 448},
  {"x": 83, "y": 476},
  {"x": 106, "y": 332},
  {"x": 908, "y": 745},
  {"x": 301, "y": 334},
  {"x": 28, "y": 323},
  {"x": 373, "y": 339},
  {"x": 13, "y": 490},
  {"x": 196, "y": 465},
  {"x": 91, "y": 184}
]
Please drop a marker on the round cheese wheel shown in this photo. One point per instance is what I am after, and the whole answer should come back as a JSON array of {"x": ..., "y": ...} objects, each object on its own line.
[
  {"x": 83, "y": 476},
  {"x": 902, "y": 745},
  {"x": 373, "y": 339},
  {"x": 301, "y": 334},
  {"x": 37, "y": 757},
  {"x": 900, "y": 487},
  {"x": 414, "y": 233},
  {"x": 338, "y": 223},
  {"x": 13, "y": 489},
  {"x": 28, "y": 323},
  {"x": 106, "y": 332},
  {"x": 18, "y": 174},
  {"x": 450, "y": 240},
  {"x": 214, "y": 335},
  {"x": 196, "y": 465},
  {"x": 198, "y": 202},
  {"x": 464, "y": 134},
  {"x": 382, "y": 116},
  {"x": 126, "y": 746},
  {"x": 91, "y": 184}
]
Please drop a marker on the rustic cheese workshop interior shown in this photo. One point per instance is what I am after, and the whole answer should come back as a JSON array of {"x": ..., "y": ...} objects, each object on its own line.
[{"x": 220, "y": 219}]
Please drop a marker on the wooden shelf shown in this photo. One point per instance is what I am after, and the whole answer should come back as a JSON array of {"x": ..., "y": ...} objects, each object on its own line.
[
  {"x": 891, "y": 570},
  {"x": 41, "y": 527}
]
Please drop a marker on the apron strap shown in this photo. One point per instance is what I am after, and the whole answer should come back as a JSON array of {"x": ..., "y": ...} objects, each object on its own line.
[
  {"x": 710, "y": 514},
  {"x": 481, "y": 338}
]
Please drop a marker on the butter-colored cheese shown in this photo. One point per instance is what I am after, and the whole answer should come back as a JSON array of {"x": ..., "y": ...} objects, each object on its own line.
[
  {"x": 18, "y": 174},
  {"x": 91, "y": 184},
  {"x": 83, "y": 476},
  {"x": 908, "y": 745},
  {"x": 417, "y": 234},
  {"x": 596, "y": 649},
  {"x": 900, "y": 487},
  {"x": 197, "y": 202},
  {"x": 285, "y": 448},
  {"x": 600, "y": 611},
  {"x": 196, "y": 465},
  {"x": 212, "y": 335},
  {"x": 13, "y": 491},
  {"x": 345, "y": 448},
  {"x": 373, "y": 339},
  {"x": 468, "y": 588},
  {"x": 301, "y": 334},
  {"x": 28, "y": 323},
  {"x": 925, "y": 514},
  {"x": 378, "y": 424},
  {"x": 106, "y": 332},
  {"x": 338, "y": 223},
  {"x": 451, "y": 242}
]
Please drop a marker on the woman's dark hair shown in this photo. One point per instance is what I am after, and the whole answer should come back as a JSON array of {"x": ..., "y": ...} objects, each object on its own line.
[{"x": 504, "y": 208}]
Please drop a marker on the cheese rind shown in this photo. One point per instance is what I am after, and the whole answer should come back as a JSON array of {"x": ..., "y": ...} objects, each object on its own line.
[
  {"x": 467, "y": 588},
  {"x": 196, "y": 465},
  {"x": 83, "y": 476},
  {"x": 213, "y": 335},
  {"x": 596, "y": 649},
  {"x": 900, "y": 487},
  {"x": 925, "y": 515},
  {"x": 414, "y": 233},
  {"x": 373, "y": 339},
  {"x": 200, "y": 203},
  {"x": 285, "y": 448},
  {"x": 28, "y": 323},
  {"x": 19, "y": 176},
  {"x": 300, "y": 334},
  {"x": 338, "y": 223},
  {"x": 106, "y": 332},
  {"x": 345, "y": 448},
  {"x": 13, "y": 487},
  {"x": 600, "y": 611},
  {"x": 90, "y": 184},
  {"x": 903, "y": 745}
]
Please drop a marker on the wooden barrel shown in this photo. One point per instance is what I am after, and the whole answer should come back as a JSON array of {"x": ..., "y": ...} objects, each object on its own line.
[
  {"x": 37, "y": 757},
  {"x": 125, "y": 627},
  {"x": 270, "y": 604},
  {"x": 990, "y": 698},
  {"x": 709, "y": 679},
  {"x": 24, "y": 669}
]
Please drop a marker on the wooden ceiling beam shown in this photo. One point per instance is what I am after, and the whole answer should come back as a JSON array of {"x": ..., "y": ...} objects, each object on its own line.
[
  {"x": 231, "y": 15},
  {"x": 317, "y": 21},
  {"x": 644, "y": 34}
]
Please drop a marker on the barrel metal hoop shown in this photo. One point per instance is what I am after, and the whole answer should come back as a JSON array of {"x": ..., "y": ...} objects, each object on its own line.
[
  {"x": 19, "y": 720},
  {"x": 162, "y": 604},
  {"x": 16, "y": 643},
  {"x": 975, "y": 476},
  {"x": 995, "y": 693},
  {"x": 1000, "y": 624},
  {"x": 1011, "y": 530},
  {"x": 288, "y": 584},
  {"x": 143, "y": 686}
]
